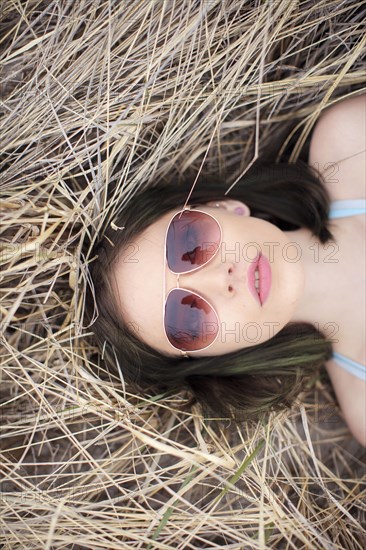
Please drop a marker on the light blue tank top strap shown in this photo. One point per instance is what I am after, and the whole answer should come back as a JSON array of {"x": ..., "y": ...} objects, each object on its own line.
[
  {"x": 344, "y": 208},
  {"x": 350, "y": 366}
]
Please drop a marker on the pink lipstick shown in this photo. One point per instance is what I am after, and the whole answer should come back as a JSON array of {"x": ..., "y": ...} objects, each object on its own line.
[
  {"x": 261, "y": 264},
  {"x": 265, "y": 278}
]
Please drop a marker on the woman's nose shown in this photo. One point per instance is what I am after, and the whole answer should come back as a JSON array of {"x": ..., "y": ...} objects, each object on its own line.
[{"x": 219, "y": 278}]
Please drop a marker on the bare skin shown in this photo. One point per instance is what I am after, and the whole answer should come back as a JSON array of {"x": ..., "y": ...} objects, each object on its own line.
[
  {"x": 340, "y": 139},
  {"x": 324, "y": 285}
]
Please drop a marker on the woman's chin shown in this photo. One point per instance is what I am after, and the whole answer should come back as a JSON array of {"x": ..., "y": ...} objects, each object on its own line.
[{"x": 288, "y": 284}]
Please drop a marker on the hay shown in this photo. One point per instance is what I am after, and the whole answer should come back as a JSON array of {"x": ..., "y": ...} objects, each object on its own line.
[{"x": 141, "y": 92}]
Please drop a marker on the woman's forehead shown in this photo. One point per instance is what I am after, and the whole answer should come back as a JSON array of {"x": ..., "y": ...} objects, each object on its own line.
[{"x": 138, "y": 281}]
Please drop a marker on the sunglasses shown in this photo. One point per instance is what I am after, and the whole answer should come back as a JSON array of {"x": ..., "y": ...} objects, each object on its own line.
[{"x": 192, "y": 239}]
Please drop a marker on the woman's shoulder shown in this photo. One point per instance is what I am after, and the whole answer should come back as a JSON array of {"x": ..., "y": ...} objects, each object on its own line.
[{"x": 337, "y": 148}]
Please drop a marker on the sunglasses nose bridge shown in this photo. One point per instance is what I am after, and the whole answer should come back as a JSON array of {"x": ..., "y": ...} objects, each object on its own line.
[{"x": 174, "y": 283}]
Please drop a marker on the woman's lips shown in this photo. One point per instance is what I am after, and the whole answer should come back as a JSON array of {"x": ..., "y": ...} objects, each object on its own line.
[{"x": 265, "y": 279}]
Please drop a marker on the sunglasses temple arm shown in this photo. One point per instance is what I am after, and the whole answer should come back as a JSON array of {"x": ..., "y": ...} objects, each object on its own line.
[{"x": 164, "y": 284}]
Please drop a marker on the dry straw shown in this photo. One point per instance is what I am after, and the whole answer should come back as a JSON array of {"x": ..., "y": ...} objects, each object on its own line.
[{"x": 141, "y": 92}]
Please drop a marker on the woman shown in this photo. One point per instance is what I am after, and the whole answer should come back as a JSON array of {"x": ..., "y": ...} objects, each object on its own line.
[{"x": 175, "y": 302}]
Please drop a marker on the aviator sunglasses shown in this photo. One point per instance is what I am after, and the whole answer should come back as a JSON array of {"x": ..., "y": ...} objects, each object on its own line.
[{"x": 192, "y": 240}]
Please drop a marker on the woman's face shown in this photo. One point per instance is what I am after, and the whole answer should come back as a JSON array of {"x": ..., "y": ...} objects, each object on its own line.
[{"x": 141, "y": 269}]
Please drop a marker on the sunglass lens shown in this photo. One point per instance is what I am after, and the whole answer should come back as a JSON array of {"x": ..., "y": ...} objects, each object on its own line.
[
  {"x": 190, "y": 322},
  {"x": 192, "y": 239}
]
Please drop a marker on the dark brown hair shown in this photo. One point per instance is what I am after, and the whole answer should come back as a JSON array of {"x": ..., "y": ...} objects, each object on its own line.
[{"x": 244, "y": 384}]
